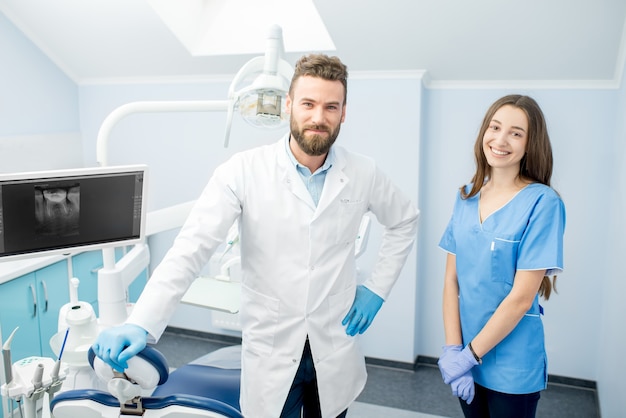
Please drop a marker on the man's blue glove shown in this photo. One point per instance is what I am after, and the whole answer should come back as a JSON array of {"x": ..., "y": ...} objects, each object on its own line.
[
  {"x": 454, "y": 363},
  {"x": 463, "y": 387},
  {"x": 364, "y": 308},
  {"x": 116, "y": 345}
]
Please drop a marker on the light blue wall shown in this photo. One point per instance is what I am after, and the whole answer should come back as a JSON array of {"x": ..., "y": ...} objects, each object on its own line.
[
  {"x": 36, "y": 97},
  {"x": 609, "y": 278}
]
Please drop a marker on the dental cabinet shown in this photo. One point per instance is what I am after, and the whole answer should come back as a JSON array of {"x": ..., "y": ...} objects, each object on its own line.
[
  {"x": 33, "y": 291},
  {"x": 32, "y": 302}
]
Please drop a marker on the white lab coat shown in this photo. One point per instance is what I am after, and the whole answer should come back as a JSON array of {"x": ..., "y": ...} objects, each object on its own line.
[{"x": 298, "y": 268}]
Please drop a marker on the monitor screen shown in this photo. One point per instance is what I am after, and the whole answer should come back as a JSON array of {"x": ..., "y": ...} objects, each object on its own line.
[{"x": 67, "y": 211}]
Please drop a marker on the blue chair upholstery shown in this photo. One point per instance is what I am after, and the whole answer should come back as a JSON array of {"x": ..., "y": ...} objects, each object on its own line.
[
  {"x": 203, "y": 381},
  {"x": 189, "y": 401},
  {"x": 195, "y": 386}
]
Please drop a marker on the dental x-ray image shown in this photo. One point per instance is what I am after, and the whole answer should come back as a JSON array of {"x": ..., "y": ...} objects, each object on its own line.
[{"x": 57, "y": 210}]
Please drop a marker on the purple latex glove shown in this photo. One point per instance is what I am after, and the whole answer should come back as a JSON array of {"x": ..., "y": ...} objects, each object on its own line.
[
  {"x": 455, "y": 363},
  {"x": 364, "y": 308},
  {"x": 116, "y": 345},
  {"x": 449, "y": 350},
  {"x": 463, "y": 387}
]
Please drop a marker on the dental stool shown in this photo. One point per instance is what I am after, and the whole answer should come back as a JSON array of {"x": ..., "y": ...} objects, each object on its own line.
[{"x": 148, "y": 389}]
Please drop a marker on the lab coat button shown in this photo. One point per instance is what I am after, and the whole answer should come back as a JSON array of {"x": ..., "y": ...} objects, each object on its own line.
[{"x": 294, "y": 360}]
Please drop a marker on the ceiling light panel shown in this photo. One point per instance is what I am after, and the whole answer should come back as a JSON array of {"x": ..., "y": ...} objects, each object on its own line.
[{"x": 233, "y": 27}]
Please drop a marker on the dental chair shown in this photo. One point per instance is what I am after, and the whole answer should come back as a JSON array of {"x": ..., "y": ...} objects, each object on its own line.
[{"x": 201, "y": 389}]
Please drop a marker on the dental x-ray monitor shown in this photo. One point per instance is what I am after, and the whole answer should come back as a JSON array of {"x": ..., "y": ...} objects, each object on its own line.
[{"x": 67, "y": 211}]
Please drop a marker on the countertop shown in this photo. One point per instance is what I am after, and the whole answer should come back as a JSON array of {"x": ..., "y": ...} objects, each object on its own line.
[{"x": 10, "y": 270}]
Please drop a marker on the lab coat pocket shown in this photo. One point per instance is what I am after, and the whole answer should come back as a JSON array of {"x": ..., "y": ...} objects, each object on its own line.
[
  {"x": 348, "y": 220},
  {"x": 259, "y": 319},
  {"x": 503, "y": 260}
]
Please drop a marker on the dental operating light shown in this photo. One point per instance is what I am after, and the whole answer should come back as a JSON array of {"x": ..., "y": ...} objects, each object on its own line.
[{"x": 262, "y": 104}]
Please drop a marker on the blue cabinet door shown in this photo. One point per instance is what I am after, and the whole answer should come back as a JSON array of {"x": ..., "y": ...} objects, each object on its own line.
[
  {"x": 52, "y": 294},
  {"x": 18, "y": 308},
  {"x": 32, "y": 302}
]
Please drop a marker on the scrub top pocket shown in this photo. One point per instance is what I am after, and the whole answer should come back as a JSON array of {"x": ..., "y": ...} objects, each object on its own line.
[
  {"x": 504, "y": 260},
  {"x": 528, "y": 334}
]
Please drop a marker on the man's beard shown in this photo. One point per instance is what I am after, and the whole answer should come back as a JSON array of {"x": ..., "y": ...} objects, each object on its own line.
[{"x": 314, "y": 145}]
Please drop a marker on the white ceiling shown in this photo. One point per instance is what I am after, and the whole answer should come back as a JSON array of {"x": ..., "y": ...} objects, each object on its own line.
[{"x": 573, "y": 42}]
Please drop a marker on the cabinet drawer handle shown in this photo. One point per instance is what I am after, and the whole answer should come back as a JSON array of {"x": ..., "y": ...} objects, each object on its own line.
[
  {"x": 32, "y": 292},
  {"x": 45, "y": 295}
]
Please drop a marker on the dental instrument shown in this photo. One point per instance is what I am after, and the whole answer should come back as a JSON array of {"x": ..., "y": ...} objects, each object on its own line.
[
  {"x": 30, "y": 379},
  {"x": 6, "y": 357}
]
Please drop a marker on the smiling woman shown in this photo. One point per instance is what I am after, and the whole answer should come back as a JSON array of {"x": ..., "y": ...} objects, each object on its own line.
[
  {"x": 505, "y": 237},
  {"x": 504, "y": 141}
]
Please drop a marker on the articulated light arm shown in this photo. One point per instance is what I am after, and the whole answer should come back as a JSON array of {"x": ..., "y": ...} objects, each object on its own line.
[{"x": 149, "y": 107}]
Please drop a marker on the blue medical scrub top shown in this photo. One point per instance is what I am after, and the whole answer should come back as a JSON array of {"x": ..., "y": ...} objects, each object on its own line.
[{"x": 525, "y": 234}]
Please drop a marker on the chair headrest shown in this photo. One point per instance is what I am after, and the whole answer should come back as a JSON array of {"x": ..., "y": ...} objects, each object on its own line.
[{"x": 148, "y": 368}]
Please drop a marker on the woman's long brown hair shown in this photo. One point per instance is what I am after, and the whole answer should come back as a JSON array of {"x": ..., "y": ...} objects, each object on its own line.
[{"x": 535, "y": 166}]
